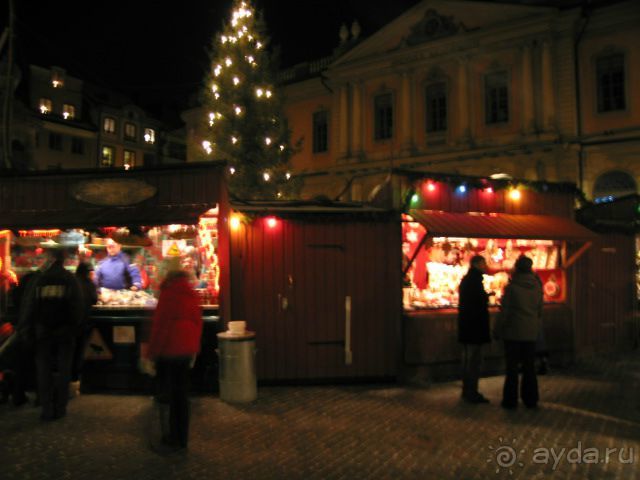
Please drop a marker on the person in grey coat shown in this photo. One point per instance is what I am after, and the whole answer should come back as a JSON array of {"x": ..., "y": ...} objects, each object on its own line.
[{"x": 519, "y": 325}]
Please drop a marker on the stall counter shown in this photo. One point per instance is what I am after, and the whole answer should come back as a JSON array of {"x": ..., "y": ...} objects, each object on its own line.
[
  {"x": 113, "y": 351},
  {"x": 430, "y": 339}
]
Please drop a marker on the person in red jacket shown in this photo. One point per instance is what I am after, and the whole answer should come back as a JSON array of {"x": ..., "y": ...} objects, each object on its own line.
[{"x": 176, "y": 330}]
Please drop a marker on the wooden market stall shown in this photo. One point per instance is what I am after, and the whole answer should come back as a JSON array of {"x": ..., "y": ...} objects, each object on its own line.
[
  {"x": 449, "y": 219},
  {"x": 316, "y": 281},
  {"x": 609, "y": 274},
  {"x": 152, "y": 213}
]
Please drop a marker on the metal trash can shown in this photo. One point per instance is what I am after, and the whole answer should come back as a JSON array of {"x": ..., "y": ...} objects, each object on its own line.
[{"x": 237, "y": 371}]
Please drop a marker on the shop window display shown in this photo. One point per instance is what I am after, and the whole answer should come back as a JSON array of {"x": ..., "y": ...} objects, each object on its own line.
[
  {"x": 146, "y": 247},
  {"x": 433, "y": 278}
]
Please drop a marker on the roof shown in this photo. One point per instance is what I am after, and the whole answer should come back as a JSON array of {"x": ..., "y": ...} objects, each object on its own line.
[
  {"x": 620, "y": 215},
  {"x": 114, "y": 197},
  {"x": 500, "y": 225},
  {"x": 319, "y": 208}
]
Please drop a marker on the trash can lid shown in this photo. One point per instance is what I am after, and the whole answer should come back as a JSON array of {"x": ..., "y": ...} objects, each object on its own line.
[{"x": 237, "y": 337}]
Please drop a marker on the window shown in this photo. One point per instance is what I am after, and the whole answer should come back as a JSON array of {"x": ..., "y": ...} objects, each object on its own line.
[
  {"x": 45, "y": 105},
  {"x": 149, "y": 135},
  {"x": 436, "y": 107},
  {"x": 383, "y": 111},
  {"x": 177, "y": 151},
  {"x": 496, "y": 97},
  {"x": 77, "y": 146},
  {"x": 107, "y": 158},
  {"x": 55, "y": 141},
  {"x": 57, "y": 77},
  {"x": 129, "y": 131},
  {"x": 612, "y": 185},
  {"x": 149, "y": 160},
  {"x": 109, "y": 125},
  {"x": 68, "y": 111},
  {"x": 320, "y": 132},
  {"x": 610, "y": 83},
  {"x": 129, "y": 159}
]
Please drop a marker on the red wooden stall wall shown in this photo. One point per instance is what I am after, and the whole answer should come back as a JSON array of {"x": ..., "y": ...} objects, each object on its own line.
[
  {"x": 290, "y": 282},
  {"x": 605, "y": 296}
]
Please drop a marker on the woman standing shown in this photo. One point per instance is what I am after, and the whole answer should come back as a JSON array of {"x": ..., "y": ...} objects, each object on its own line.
[
  {"x": 518, "y": 325},
  {"x": 175, "y": 340}
]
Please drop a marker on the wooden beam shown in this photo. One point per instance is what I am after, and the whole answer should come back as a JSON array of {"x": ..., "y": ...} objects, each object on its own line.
[
  {"x": 415, "y": 254},
  {"x": 573, "y": 258}
]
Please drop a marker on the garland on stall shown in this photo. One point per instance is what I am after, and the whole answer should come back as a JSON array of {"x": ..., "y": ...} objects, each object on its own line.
[{"x": 464, "y": 184}]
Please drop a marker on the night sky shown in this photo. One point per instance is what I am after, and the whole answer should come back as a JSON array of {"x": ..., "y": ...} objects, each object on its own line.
[{"x": 156, "y": 52}]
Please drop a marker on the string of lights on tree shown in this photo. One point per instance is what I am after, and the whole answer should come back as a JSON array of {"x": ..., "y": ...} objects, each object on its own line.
[{"x": 246, "y": 125}]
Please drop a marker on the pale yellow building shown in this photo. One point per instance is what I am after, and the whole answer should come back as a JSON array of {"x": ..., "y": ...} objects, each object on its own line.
[{"x": 477, "y": 88}]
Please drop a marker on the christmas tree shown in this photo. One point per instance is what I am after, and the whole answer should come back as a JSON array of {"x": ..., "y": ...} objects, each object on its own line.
[{"x": 246, "y": 125}]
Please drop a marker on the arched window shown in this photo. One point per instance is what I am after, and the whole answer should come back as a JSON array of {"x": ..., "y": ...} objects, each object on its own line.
[{"x": 612, "y": 185}]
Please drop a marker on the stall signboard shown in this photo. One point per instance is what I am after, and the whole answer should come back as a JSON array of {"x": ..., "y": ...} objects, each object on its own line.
[
  {"x": 96, "y": 348},
  {"x": 124, "y": 334},
  {"x": 173, "y": 247}
]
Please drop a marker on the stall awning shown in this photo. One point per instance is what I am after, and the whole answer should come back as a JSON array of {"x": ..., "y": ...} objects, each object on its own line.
[{"x": 500, "y": 225}]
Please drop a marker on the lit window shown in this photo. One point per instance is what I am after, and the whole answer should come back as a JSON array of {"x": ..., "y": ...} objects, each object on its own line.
[
  {"x": 109, "y": 125},
  {"x": 436, "y": 107},
  {"x": 57, "y": 78},
  {"x": 496, "y": 97},
  {"x": 149, "y": 135},
  {"x": 129, "y": 131},
  {"x": 68, "y": 111},
  {"x": 610, "y": 81},
  {"x": 320, "y": 132},
  {"x": 107, "y": 158},
  {"x": 129, "y": 159},
  {"x": 383, "y": 110},
  {"x": 45, "y": 105}
]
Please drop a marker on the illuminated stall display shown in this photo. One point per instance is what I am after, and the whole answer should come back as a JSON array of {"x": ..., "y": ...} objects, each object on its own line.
[
  {"x": 441, "y": 262},
  {"x": 147, "y": 247}
]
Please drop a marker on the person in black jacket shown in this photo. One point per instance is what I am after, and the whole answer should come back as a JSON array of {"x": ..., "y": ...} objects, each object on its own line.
[
  {"x": 54, "y": 311},
  {"x": 473, "y": 327}
]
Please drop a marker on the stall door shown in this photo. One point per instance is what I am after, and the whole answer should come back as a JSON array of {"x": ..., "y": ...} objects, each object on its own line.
[
  {"x": 323, "y": 298},
  {"x": 340, "y": 297},
  {"x": 611, "y": 293}
]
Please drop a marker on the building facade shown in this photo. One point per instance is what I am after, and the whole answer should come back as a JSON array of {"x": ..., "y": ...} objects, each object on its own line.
[
  {"x": 472, "y": 88},
  {"x": 62, "y": 122}
]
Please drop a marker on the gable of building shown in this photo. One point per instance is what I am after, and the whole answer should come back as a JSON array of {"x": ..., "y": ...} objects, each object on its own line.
[{"x": 433, "y": 20}]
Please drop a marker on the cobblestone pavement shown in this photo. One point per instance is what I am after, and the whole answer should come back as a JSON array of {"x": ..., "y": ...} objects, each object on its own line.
[{"x": 349, "y": 432}]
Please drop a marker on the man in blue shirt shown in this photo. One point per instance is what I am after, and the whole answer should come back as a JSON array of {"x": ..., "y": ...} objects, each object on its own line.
[{"x": 115, "y": 271}]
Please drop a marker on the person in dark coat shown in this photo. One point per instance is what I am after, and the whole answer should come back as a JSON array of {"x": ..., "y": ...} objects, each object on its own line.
[
  {"x": 519, "y": 325},
  {"x": 473, "y": 327},
  {"x": 54, "y": 309},
  {"x": 22, "y": 370},
  {"x": 89, "y": 298},
  {"x": 176, "y": 331}
]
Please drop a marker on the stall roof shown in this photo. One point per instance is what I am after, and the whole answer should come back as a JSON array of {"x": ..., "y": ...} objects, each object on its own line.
[
  {"x": 619, "y": 215},
  {"x": 500, "y": 225},
  {"x": 86, "y": 199},
  {"x": 101, "y": 217}
]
